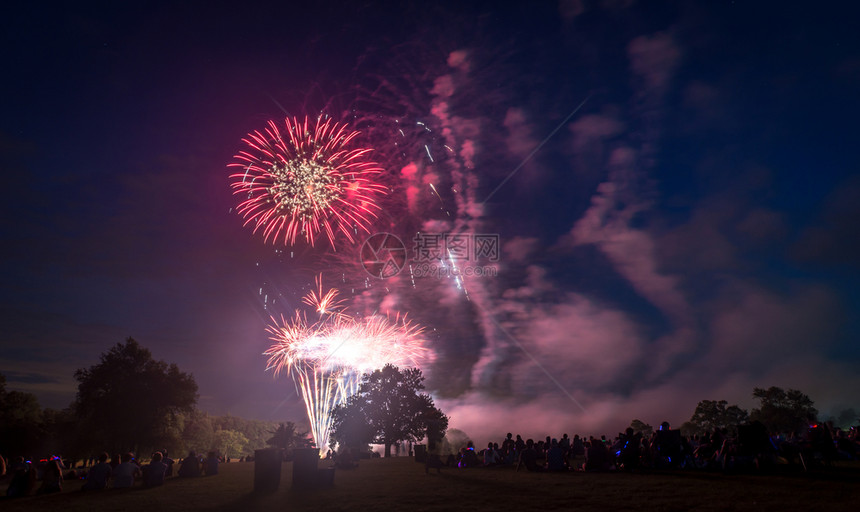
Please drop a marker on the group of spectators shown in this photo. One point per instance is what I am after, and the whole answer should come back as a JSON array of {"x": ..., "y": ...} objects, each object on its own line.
[
  {"x": 746, "y": 447},
  {"x": 122, "y": 471}
]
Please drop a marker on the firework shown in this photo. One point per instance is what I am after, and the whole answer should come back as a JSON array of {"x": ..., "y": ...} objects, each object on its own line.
[
  {"x": 327, "y": 357},
  {"x": 304, "y": 179}
]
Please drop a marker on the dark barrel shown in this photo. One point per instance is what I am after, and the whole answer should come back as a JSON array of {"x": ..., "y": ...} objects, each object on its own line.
[
  {"x": 305, "y": 466},
  {"x": 267, "y": 469},
  {"x": 420, "y": 453}
]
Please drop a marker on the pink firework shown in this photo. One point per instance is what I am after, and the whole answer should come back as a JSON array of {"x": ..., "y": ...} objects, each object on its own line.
[{"x": 306, "y": 178}]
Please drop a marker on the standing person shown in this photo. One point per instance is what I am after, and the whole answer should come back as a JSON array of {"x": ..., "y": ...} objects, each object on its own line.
[
  {"x": 127, "y": 471},
  {"x": 52, "y": 480},
  {"x": 555, "y": 456},
  {"x": 155, "y": 471},
  {"x": 98, "y": 475}
]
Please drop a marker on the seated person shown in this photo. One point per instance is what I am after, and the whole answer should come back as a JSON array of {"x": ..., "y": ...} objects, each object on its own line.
[
  {"x": 528, "y": 457},
  {"x": 190, "y": 466},
  {"x": 210, "y": 465},
  {"x": 596, "y": 456},
  {"x": 52, "y": 480},
  {"x": 155, "y": 471},
  {"x": 491, "y": 456},
  {"x": 127, "y": 471},
  {"x": 468, "y": 457},
  {"x": 98, "y": 475}
]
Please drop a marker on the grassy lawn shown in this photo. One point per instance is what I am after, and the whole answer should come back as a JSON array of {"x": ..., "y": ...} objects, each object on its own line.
[{"x": 401, "y": 484}]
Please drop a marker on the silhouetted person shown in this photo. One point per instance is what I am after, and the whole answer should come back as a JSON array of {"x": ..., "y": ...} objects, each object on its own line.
[
  {"x": 190, "y": 466},
  {"x": 630, "y": 443},
  {"x": 23, "y": 478},
  {"x": 165, "y": 458},
  {"x": 125, "y": 474},
  {"x": 555, "y": 457},
  {"x": 52, "y": 479},
  {"x": 528, "y": 457},
  {"x": 491, "y": 456},
  {"x": 468, "y": 457},
  {"x": 210, "y": 465},
  {"x": 596, "y": 456},
  {"x": 577, "y": 448},
  {"x": 98, "y": 475},
  {"x": 155, "y": 471}
]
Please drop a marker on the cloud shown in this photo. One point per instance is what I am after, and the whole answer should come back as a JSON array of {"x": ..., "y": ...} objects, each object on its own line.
[
  {"x": 520, "y": 140},
  {"x": 593, "y": 129},
  {"x": 654, "y": 59},
  {"x": 570, "y": 9},
  {"x": 834, "y": 237}
]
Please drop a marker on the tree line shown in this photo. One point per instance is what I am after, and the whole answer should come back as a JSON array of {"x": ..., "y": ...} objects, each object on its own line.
[
  {"x": 780, "y": 411},
  {"x": 129, "y": 401}
]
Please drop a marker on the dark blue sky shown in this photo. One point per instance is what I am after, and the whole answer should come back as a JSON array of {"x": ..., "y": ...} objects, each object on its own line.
[{"x": 689, "y": 233}]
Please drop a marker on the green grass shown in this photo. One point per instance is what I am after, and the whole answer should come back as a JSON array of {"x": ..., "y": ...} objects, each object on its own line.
[{"x": 401, "y": 484}]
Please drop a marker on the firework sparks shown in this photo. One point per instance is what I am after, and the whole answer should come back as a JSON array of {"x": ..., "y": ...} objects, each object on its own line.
[
  {"x": 305, "y": 179},
  {"x": 327, "y": 358}
]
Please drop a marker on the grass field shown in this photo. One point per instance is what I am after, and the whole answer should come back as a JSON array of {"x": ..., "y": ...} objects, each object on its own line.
[{"x": 401, "y": 484}]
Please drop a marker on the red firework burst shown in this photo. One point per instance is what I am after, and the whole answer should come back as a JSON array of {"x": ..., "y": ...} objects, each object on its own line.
[{"x": 306, "y": 178}]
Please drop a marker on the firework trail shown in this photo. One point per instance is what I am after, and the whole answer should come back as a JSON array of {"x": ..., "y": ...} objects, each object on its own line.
[
  {"x": 305, "y": 179},
  {"x": 327, "y": 357}
]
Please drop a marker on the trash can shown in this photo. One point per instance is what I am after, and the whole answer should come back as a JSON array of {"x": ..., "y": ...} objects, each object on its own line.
[
  {"x": 420, "y": 453},
  {"x": 305, "y": 467},
  {"x": 267, "y": 469}
]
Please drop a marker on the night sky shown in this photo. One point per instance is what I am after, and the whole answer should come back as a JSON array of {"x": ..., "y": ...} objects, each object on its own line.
[{"x": 681, "y": 222}]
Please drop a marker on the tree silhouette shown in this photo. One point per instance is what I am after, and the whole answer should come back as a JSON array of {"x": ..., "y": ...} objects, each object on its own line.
[
  {"x": 129, "y": 400},
  {"x": 783, "y": 411},
  {"x": 640, "y": 427},
  {"x": 287, "y": 436},
  {"x": 393, "y": 409},
  {"x": 711, "y": 414},
  {"x": 20, "y": 421}
]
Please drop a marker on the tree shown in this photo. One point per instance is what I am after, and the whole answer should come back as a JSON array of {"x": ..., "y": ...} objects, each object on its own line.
[
  {"x": 712, "y": 414},
  {"x": 257, "y": 432},
  {"x": 390, "y": 403},
  {"x": 640, "y": 426},
  {"x": 20, "y": 421},
  {"x": 351, "y": 424},
  {"x": 783, "y": 411},
  {"x": 230, "y": 442},
  {"x": 198, "y": 434},
  {"x": 287, "y": 437},
  {"x": 129, "y": 400}
]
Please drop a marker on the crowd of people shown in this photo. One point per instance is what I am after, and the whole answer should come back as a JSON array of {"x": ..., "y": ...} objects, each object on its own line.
[
  {"x": 123, "y": 471},
  {"x": 748, "y": 447}
]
